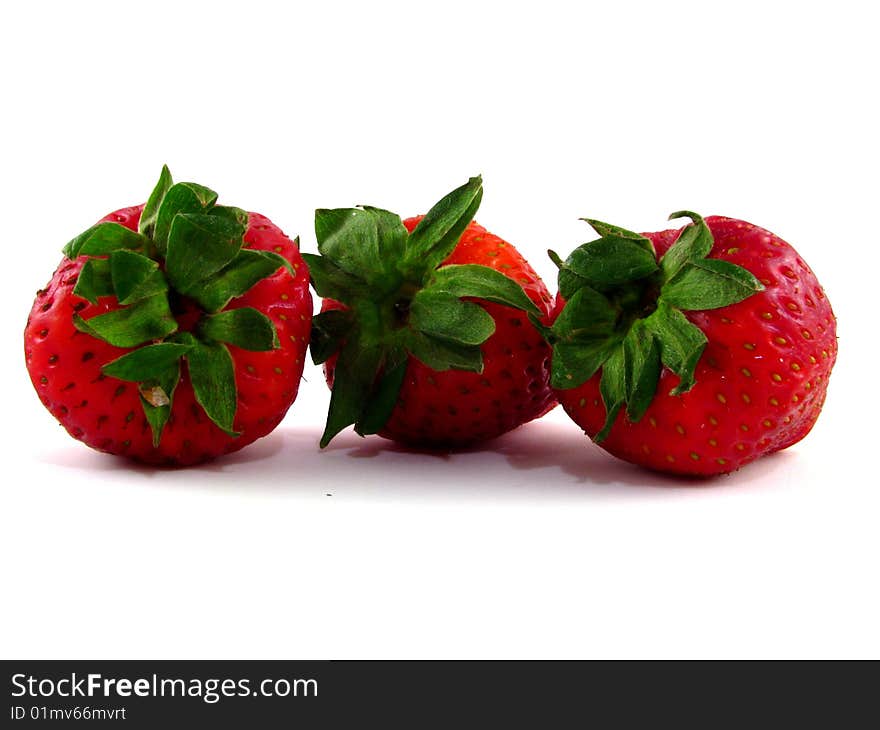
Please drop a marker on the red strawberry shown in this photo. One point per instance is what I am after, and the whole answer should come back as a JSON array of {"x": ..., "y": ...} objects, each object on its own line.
[
  {"x": 424, "y": 329},
  {"x": 172, "y": 332},
  {"x": 696, "y": 359}
]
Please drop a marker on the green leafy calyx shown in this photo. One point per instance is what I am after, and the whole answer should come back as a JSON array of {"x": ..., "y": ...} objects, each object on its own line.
[
  {"x": 399, "y": 301},
  {"x": 623, "y": 312},
  {"x": 187, "y": 253}
]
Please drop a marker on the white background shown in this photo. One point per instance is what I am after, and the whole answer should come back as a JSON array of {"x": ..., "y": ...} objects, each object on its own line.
[{"x": 538, "y": 545}]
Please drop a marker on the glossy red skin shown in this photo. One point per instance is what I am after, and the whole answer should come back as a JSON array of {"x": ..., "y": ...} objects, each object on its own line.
[
  {"x": 454, "y": 408},
  {"x": 106, "y": 413},
  {"x": 760, "y": 383}
]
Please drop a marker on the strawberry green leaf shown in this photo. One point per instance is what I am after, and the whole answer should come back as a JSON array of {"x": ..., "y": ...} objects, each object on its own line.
[
  {"x": 147, "y": 223},
  {"x": 440, "y": 355},
  {"x": 212, "y": 375},
  {"x": 694, "y": 242},
  {"x": 238, "y": 277},
  {"x": 365, "y": 242},
  {"x": 473, "y": 280},
  {"x": 94, "y": 280},
  {"x": 709, "y": 284},
  {"x": 350, "y": 239},
  {"x": 392, "y": 236},
  {"x": 437, "y": 234},
  {"x": 330, "y": 329},
  {"x": 332, "y": 282},
  {"x": 104, "y": 238},
  {"x": 574, "y": 363},
  {"x": 157, "y": 397},
  {"x": 567, "y": 281},
  {"x": 587, "y": 315},
  {"x": 245, "y": 327},
  {"x": 180, "y": 198},
  {"x": 641, "y": 353},
  {"x": 384, "y": 396},
  {"x": 555, "y": 258},
  {"x": 206, "y": 196},
  {"x": 445, "y": 316},
  {"x": 681, "y": 343},
  {"x": 199, "y": 245},
  {"x": 611, "y": 261},
  {"x": 612, "y": 231},
  {"x": 145, "y": 362},
  {"x": 135, "y": 277},
  {"x": 353, "y": 379},
  {"x": 612, "y": 387},
  {"x": 148, "y": 319},
  {"x": 236, "y": 216}
]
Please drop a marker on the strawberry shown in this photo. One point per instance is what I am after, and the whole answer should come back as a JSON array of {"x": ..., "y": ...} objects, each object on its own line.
[
  {"x": 691, "y": 351},
  {"x": 424, "y": 330},
  {"x": 172, "y": 332}
]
